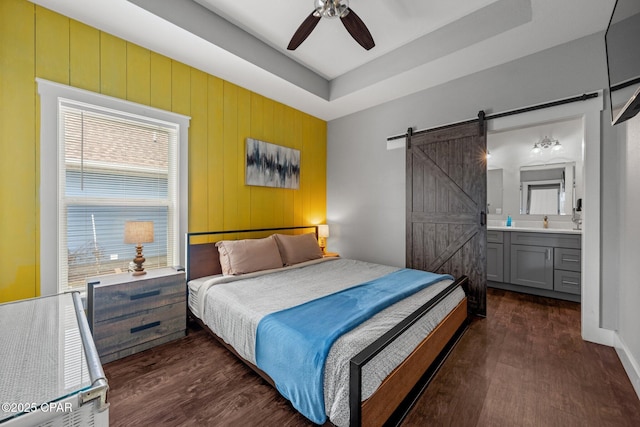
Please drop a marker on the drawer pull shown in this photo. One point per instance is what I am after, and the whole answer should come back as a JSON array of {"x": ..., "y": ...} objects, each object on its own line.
[
  {"x": 570, "y": 260},
  {"x": 145, "y": 295},
  {"x": 566, "y": 282},
  {"x": 143, "y": 327}
]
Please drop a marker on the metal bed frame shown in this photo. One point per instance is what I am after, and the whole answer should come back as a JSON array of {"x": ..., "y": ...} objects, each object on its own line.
[{"x": 397, "y": 394}]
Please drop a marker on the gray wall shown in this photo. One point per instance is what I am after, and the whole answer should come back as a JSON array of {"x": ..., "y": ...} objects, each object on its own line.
[{"x": 366, "y": 182}]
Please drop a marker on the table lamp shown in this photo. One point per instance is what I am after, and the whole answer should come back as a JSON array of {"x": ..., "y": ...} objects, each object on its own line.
[
  {"x": 323, "y": 233},
  {"x": 138, "y": 232}
]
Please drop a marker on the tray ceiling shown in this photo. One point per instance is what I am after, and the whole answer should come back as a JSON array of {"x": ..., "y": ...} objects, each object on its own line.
[{"x": 419, "y": 44}]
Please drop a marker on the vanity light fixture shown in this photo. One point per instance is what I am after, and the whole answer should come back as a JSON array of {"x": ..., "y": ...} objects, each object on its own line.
[{"x": 546, "y": 143}]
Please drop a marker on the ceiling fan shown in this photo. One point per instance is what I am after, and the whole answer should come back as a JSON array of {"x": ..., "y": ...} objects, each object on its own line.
[{"x": 333, "y": 9}]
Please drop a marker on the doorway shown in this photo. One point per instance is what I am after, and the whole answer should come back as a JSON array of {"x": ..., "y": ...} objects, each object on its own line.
[
  {"x": 537, "y": 182},
  {"x": 588, "y": 113}
]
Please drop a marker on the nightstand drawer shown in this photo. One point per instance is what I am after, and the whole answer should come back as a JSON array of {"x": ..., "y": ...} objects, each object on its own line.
[
  {"x": 128, "y": 314},
  {"x": 124, "y": 332},
  {"x": 136, "y": 295}
]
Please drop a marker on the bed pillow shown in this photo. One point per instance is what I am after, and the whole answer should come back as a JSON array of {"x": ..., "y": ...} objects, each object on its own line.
[
  {"x": 248, "y": 255},
  {"x": 298, "y": 248}
]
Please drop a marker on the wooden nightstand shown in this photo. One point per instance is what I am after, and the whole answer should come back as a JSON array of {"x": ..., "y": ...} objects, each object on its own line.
[
  {"x": 128, "y": 314},
  {"x": 331, "y": 255}
]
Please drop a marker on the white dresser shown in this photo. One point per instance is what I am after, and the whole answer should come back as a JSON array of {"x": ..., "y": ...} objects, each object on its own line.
[{"x": 50, "y": 373}]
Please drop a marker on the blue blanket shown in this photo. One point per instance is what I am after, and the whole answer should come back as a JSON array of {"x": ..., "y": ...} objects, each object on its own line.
[{"x": 292, "y": 345}]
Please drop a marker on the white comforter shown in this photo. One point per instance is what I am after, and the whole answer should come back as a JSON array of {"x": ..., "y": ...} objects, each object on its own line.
[{"x": 232, "y": 307}]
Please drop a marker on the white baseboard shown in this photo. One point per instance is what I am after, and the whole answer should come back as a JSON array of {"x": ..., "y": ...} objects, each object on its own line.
[
  {"x": 630, "y": 364},
  {"x": 598, "y": 335}
]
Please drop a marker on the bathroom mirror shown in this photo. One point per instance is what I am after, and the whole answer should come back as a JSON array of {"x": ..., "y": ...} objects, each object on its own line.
[
  {"x": 547, "y": 189},
  {"x": 512, "y": 151},
  {"x": 494, "y": 191}
]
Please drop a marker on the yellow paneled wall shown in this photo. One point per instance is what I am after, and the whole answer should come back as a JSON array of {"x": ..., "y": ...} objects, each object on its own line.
[{"x": 35, "y": 42}]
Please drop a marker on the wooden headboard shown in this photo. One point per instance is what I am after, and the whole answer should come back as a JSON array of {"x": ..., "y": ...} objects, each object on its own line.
[{"x": 203, "y": 258}]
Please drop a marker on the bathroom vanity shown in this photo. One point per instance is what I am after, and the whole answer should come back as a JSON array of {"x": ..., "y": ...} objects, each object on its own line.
[
  {"x": 545, "y": 262},
  {"x": 537, "y": 187}
]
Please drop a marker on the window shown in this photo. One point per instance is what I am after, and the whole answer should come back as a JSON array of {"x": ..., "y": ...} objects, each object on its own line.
[
  {"x": 116, "y": 162},
  {"x": 544, "y": 199},
  {"x": 113, "y": 170}
]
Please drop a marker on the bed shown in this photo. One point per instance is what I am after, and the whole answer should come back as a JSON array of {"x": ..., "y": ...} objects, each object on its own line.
[{"x": 378, "y": 357}]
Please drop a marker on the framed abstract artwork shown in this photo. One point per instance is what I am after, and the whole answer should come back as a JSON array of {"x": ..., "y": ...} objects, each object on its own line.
[{"x": 270, "y": 165}]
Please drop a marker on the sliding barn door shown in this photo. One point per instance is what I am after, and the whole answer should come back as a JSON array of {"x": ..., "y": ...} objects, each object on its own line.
[{"x": 446, "y": 206}]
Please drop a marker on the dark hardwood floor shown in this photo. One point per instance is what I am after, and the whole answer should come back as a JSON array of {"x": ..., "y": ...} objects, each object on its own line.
[{"x": 524, "y": 365}]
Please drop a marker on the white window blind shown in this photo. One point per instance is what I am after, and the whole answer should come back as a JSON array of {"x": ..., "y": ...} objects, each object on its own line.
[{"x": 114, "y": 167}]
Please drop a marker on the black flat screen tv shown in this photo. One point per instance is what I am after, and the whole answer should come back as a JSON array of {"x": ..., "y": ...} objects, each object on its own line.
[{"x": 622, "y": 41}]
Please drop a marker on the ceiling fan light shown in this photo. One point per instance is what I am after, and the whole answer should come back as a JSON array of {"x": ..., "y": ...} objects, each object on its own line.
[{"x": 331, "y": 8}]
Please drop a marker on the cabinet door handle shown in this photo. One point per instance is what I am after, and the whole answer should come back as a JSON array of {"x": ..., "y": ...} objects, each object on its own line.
[
  {"x": 570, "y": 260},
  {"x": 145, "y": 295},
  {"x": 567, "y": 282},
  {"x": 143, "y": 327},
  {"x": 548, "y": 254}
]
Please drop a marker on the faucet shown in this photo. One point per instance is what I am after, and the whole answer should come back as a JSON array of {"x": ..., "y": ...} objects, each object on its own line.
[{"x": 575, "y": 218}]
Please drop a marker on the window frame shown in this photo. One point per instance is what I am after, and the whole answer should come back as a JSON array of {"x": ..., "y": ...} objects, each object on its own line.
[{"x": 50, "y": 96}]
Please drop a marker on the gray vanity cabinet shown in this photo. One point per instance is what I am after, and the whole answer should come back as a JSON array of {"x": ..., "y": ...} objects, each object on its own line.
[
  {"x": 567, "y": 277},
  {"x": 545, "y": 264},
  {"x": 567, "y": 259},
  {"x": 495, "y": 256},
  {"x": 532, "y": 266}
]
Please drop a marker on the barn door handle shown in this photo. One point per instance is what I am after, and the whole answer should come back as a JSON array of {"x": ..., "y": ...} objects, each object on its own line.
[{"x": 483, "y": 218}]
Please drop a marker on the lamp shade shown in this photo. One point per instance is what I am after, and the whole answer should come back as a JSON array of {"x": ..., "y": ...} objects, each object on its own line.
[
  {"x": 136, "y": 232},
  {"x": 323, "y": 230}
]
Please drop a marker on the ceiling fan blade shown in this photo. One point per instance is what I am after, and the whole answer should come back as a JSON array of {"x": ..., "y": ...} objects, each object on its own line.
[
  {"x": 303, "y": 31},
  {"x": 357, "y": 29}
]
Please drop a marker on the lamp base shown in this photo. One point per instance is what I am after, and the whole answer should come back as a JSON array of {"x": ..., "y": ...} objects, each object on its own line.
[{"x": 138, "y": 261}]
